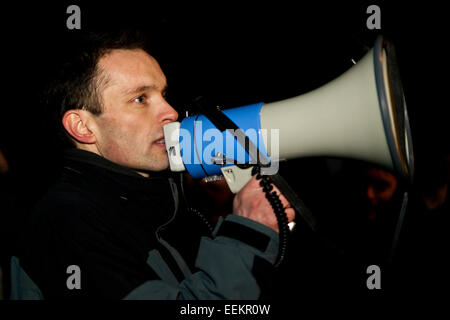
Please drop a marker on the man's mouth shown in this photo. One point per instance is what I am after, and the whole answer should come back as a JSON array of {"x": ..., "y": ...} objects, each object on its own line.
[{"x": 160, "y": 142}]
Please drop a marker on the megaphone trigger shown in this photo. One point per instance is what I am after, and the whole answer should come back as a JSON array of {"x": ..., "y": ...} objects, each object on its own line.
[{"x": 236, "y": 177}]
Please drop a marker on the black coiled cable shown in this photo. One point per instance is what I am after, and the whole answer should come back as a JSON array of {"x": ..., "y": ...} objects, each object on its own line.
[
  {"x": 203, "y": 219},
  {"x": 278, "y": 209}
]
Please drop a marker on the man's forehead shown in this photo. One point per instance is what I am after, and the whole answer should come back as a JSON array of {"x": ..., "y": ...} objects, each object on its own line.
[
  {"x": 120, "y": 57},
  {"x": 132, "y": 68}
]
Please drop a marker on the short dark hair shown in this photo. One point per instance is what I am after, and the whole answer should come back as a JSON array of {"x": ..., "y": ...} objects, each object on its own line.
[{"x": 78, "y": 78}]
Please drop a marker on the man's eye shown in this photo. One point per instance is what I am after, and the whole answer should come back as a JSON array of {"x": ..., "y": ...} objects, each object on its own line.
[{"x": 141, "y": 99}]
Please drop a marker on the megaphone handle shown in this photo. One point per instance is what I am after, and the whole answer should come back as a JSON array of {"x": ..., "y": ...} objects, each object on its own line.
[
  {"x": 279, "y": 212},
  {"x": 267, "y": 183},
  {"x": 222, "y": 122},
  {"x": 295, "y": 201}
]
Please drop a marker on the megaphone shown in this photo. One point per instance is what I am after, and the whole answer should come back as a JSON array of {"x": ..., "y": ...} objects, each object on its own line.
[{"x": 361, "y": 115}]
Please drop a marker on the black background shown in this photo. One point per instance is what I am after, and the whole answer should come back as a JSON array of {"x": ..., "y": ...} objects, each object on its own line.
[{"x": 234, "y": 54}]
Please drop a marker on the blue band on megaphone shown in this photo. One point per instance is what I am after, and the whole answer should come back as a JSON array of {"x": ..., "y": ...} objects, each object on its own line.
[{"x": 206, "y": 141}]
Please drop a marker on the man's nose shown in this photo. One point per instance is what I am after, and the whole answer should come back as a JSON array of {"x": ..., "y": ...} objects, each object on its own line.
[{"x": 169, "y": 114}]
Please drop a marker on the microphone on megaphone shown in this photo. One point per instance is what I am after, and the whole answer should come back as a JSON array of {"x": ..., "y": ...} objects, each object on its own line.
[{"x": 361, "y": 115}]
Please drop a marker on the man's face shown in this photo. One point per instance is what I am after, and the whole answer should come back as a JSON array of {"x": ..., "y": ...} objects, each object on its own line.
[{"x": 129, "y": 130}]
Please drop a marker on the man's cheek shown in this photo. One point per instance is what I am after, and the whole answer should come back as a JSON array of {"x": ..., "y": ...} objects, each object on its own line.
[
  {"x": 115, "y": 152},
  {"x": 119, "y": 146}
]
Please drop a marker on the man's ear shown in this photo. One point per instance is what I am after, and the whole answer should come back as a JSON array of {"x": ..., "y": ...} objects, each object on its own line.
[{"x": 77, "y": 122}]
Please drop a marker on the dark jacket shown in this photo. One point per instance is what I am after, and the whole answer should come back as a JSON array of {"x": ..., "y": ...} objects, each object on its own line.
[{"x": 115, "y": 227}]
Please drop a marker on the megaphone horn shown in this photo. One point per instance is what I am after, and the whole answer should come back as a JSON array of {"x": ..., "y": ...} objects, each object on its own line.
[{"x": 362, "y": 115}]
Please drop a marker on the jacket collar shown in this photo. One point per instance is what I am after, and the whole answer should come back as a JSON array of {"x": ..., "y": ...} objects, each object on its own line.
[
  {"x": 83, "y": 156},
  {"x": 97, "y": 173},
  {"x": 106, "y": 174}
]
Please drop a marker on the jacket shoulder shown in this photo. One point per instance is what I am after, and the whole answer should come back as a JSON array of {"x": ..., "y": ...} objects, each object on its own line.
[{"x": 67, "y": 211}]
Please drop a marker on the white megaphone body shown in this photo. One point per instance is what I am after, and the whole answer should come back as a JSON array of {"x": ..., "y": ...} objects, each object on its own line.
[{"x": 361, "y": 115}]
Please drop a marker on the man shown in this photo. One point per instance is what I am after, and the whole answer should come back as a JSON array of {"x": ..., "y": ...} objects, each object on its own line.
[{"x": 102, "y": 231}]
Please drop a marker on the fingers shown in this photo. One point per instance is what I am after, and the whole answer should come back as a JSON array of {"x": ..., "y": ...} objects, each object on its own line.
[{"x": 290, "y": 214}]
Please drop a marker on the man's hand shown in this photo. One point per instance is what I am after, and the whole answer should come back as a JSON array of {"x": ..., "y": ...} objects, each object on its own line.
[{"x": 250, "y": 202}]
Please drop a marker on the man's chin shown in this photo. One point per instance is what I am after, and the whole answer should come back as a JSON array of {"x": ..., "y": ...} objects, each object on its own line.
[
  {"x": 148, "y": 172},
  {"x": 157, "y": 167}
]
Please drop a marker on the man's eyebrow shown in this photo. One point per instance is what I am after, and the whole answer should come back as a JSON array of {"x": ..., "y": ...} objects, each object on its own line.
[{"x": 144, "y": 88}]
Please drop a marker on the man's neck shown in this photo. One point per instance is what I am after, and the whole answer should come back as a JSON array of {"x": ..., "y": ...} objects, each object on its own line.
[{"x": 93, "y": 148}]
